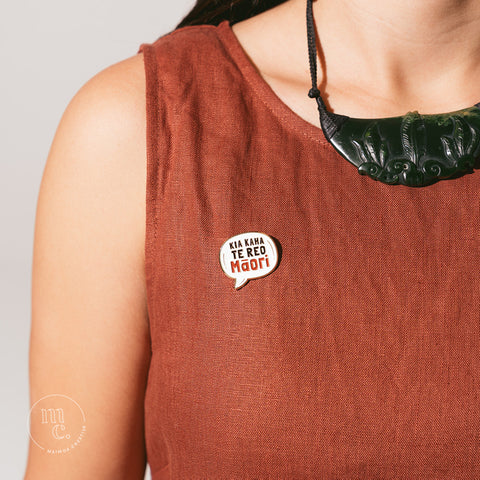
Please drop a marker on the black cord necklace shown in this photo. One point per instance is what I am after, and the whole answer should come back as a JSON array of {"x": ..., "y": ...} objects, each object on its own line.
[{"x": 413, "y": 150}]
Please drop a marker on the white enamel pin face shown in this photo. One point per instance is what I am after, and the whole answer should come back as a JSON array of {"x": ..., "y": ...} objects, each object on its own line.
[{"x": 248, "y": 256}]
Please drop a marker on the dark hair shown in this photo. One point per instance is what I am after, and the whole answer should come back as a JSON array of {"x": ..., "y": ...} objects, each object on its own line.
[{"x": 213, "y": 12}]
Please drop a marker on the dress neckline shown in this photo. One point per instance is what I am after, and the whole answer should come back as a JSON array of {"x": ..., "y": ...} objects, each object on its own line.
[{"x": 276, "y": 105}]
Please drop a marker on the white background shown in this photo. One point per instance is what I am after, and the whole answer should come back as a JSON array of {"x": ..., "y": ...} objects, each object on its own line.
[{"x": 48, "y": 50}]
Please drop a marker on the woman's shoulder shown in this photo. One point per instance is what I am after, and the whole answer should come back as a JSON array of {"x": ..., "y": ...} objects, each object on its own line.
[
  {"x": 107, "y": 104},
  {"x": 175, "y": 45},
  {"x": 88, "y": 269},
  {"x": 103, "y": 125},
  {"x": 99, "y": 150}
]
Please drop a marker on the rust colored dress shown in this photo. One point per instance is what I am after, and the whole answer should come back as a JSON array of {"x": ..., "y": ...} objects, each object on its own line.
[{"x": 359, "y": 356}]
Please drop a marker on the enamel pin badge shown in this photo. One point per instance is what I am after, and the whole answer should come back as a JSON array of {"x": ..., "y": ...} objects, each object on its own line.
[{"x": 248, "y": 256}]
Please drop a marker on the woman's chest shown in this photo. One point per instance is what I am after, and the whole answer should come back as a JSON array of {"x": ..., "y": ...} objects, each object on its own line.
[{"x": 357, "y": 357}]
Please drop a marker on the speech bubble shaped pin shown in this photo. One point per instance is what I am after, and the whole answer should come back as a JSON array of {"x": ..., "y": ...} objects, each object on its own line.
[{"x": 248, "y": 256}]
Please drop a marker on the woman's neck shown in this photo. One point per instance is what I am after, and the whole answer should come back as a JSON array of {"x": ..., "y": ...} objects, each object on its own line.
[{"x": 412, "y": 49}]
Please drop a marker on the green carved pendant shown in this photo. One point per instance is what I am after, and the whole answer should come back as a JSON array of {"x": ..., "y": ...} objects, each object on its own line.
[{"x": 413, "y": 150}]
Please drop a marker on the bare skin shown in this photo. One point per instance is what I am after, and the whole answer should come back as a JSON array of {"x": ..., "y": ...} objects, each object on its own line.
[
  {"x": 89, "y": 337},
  {"x": 376, "y": 58}
]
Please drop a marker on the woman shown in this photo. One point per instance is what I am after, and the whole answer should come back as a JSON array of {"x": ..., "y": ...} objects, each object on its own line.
[{"x": 352, "y": 349}]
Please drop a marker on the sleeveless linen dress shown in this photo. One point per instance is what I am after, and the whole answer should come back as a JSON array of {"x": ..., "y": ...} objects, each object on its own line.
[{"x": 358, "y": 357}]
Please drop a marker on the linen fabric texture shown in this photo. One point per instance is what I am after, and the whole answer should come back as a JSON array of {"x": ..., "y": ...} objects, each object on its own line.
[{"x": 359, "y": 356}]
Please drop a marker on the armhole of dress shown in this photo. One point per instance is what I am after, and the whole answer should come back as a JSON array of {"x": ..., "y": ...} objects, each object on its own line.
[
  {"x": 157, "y": 452},
  {"x": 152, "y": 174}
]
